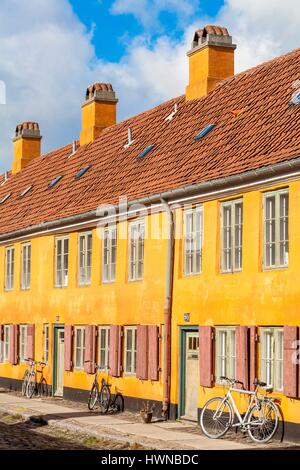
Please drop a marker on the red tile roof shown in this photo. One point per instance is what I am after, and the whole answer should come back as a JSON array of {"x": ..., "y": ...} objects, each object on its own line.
[{"x": 255, "y": 127}]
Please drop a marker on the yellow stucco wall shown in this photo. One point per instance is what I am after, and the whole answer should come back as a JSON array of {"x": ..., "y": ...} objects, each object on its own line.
[{"x": 251, "y": 297}]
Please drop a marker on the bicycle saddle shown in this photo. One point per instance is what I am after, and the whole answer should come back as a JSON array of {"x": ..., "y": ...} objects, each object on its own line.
[{"x": 259, "y": 383}]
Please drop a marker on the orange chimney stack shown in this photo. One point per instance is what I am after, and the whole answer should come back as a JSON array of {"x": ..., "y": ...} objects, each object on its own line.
[
  {"x": 98, "y": 111},
  {"x": 211, "y": 60}
]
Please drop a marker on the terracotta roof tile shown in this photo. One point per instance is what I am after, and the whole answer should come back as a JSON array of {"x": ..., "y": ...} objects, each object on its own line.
[{"x": 255, "y": 127}]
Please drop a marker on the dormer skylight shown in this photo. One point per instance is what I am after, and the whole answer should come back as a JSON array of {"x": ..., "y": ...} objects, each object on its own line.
[
  {"x": 204, "y": 131},
  {"x": 147, "y": 150},
  {"x": 5, "y": 198},
  {"x": 23, "y": 193},
  {"x": 54, "y": 182},
  {"x": 82, "y": 172}
]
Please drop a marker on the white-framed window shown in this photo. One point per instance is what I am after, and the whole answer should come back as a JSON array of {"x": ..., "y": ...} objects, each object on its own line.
[
  {"x": 46, "y": 343},
  {"x": 79, "y": 347},
  {"x": 61, "y": 261},
  {"x": 225, "y": 353},
  {"x": 9, "y": 267},
  {"x": 85, "y": 259},
  {"x": 26, "y": 266},
  {"x": 136, "y": 250},
  {"x": 6, "y": 343},
  {"x": 23, "y": 343},
  {"x": 231, "y": 235},
  {"x": 271, "y": 354},
  {"x": 103, "y": 347},
  {"x": 109, "y": 256},
  {"x": 276, "y": 229},
  {"x": 193, "y": 239},
  {"x": 130, "y": 338}
]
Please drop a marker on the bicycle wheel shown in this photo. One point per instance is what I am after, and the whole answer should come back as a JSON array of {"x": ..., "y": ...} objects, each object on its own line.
[
  {"x": 31, "y": 386},
  {"x": 42, "y": 390},
  {"x": 118, "y": 404},
  {"x": 263, "y": 421},
  {"x": 104, "y": 398},
  {"x": 216, "y": 417},
  {"x": 24, "y": 383},
  {"x": 93, "y": 398}
]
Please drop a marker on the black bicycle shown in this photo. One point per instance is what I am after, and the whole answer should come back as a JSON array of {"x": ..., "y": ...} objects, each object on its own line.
[{"x": 107, "y": 401}]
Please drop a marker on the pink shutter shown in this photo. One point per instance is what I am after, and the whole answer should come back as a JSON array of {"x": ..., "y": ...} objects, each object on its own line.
[
  {"x": 90, "y": 349},
  {"x": 253, "y": 356},
  {"x": 30, "y": 341},
  {"x": 290, "y": 336},
  {"x": 206, "y": 356},
  {"x": 1, "y": 340},
  {"x": 68, "y": 347},
  {"x": 115, "y": 351},
  {"x": 153, "y": 352},
  {"x": 13, "y": 339},
  {"x": 242, "y": 373},
  {"x": 142, "y": 352}
]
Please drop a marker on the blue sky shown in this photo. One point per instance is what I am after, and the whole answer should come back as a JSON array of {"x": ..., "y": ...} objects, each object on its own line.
[
  {"x": 51, "y": 50},
  {"x": 112, "y": 32}
]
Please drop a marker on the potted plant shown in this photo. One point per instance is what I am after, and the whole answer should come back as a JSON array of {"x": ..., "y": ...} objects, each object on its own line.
[{"x": 147, "y": 412}]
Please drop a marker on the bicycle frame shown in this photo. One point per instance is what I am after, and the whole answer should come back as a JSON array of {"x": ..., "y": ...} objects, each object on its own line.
[{"x": 228, "y": 397}]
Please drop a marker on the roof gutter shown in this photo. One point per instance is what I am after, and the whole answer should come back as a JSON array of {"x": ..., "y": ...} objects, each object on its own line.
[{"x": 277, "y": 173}]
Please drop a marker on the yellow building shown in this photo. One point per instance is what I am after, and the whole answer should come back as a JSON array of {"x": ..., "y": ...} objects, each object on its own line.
[{"x": 164, "y": 248}]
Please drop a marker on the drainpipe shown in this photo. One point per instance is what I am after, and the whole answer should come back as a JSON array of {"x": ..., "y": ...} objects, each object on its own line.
[{"x": 168, "y": 311}]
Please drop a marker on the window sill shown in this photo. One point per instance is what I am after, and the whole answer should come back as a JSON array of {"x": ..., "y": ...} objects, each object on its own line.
[
  {"x": 235, "y": 271},
  {"x": 131, "y": 281},
  {"x": 186, "y": 276},
  {"x": 275, "y": 268},
  {"x": 60, "y": 287}
]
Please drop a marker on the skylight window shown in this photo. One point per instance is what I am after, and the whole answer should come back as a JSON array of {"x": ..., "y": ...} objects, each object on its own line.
[
  {"x": 82, "y": 172},
  {"x": 23, "y": 193},
  {"x": 204, "y": 131},
  {"x": 147, "y": 150},
  {"x": 5, "y": 198},
  {"x": 54, "y": 182}
]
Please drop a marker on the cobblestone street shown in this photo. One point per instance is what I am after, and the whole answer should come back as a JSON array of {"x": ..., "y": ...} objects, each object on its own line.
[{"x": 18, "y": 434}]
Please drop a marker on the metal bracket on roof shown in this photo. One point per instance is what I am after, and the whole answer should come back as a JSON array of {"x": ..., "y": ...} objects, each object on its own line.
[
  {"x": 130, "y": 139},
  {"x": 170, "y": 117}
]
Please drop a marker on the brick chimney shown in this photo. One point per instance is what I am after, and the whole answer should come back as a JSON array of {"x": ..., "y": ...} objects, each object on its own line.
[
  {"x": 211, "y": 59},
  {"x": 27, "y": 145},
  {"x": 98, "y": 111}
]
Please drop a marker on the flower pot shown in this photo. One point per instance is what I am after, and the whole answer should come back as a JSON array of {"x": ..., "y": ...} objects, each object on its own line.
[{"x": 146, "y": 416}]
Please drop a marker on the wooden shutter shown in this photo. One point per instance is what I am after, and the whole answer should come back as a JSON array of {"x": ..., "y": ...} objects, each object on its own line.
[
  {"x": 242, "y": 355},
  {"x": 253, "y": 356},
  {"x": 142, "y": 352},
  {"x": 13, "y": 339},
  {"x": 290, "y": 336},
  {"x": 115, "y": 350},
  {"x": 153, "y": 352},
  {"x": 30, "y": 341},
  {"x": 1, "y": 342},
  {"x": 68, "y": 347},
  {"x": 90, "y": 349},
  {"x": 206, "y": 355}
]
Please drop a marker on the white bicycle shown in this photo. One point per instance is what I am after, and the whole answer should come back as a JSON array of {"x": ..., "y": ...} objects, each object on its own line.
[{"x": 260, "y": 419}]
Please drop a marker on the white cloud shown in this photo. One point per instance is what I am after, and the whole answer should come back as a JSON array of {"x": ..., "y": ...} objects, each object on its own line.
[
  {"x": 47, "y": 59},
  {"x": 45, "y": 62},
  {"x": 148, "y": 11}
]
